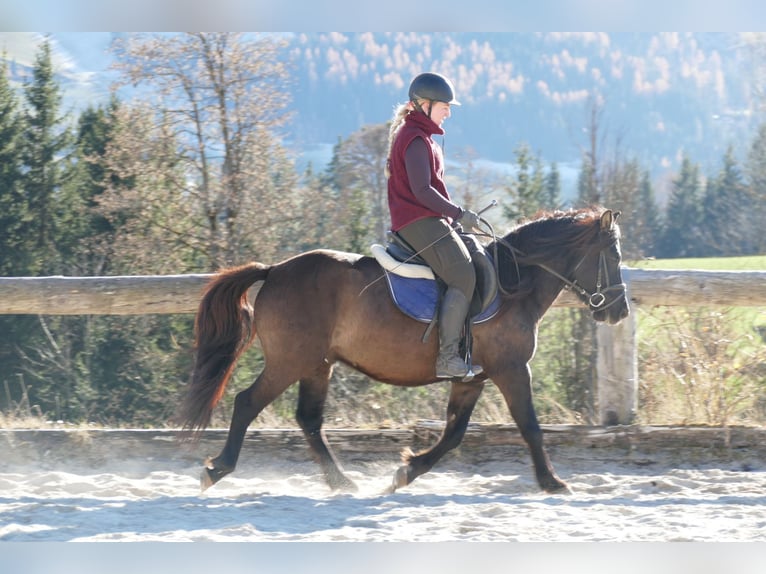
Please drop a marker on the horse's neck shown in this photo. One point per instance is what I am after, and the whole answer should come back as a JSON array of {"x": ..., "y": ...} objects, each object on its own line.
[
  {"x": 548, "y": 288},
  {"x": 547, "y": 285}
]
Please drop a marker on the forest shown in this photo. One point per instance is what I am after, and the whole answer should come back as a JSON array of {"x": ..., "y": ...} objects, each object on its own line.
[{"x": 194, "y": 177}]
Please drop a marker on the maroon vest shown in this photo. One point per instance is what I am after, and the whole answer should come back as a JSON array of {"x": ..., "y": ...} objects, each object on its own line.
[{"x": 403, "y": 205}]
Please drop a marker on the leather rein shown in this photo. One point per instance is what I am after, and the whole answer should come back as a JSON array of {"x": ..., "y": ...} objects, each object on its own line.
[{"x": 596, "y": 301}]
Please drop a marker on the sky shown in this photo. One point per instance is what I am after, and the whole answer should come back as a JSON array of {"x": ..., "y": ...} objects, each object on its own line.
[{"x": 81, "y": 59}]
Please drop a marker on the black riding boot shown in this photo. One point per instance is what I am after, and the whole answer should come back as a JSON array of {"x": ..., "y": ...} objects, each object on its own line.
[{"x": 452, "y": 315}]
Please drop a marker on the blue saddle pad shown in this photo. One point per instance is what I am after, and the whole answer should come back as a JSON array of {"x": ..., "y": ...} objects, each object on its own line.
[{"x": 417, "y": 298}]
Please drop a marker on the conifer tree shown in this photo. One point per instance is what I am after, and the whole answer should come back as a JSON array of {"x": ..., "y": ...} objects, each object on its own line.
[
  {"x": 12, "y": 205},
  {"x": 755, "y": 170},
  {"x": 85, "y": 229},
  {"x": 724, "y": 209},
  {"x": 14, "y": 330},
  {"x": 648, "y": 215},
  {"x": 552, "y": 185},
  {"x": 358, "y": 172},
  {"x": 682, "y": 232},
  {"x": 46, "y": 150},
  {"x": 528, "y": 193}
]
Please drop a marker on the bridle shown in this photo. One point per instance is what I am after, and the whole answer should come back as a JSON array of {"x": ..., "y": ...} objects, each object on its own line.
[{"x": 596, "y": 301}]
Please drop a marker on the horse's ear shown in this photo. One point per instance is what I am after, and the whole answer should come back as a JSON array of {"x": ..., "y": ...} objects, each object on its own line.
[{"x": 607, "y": 219}]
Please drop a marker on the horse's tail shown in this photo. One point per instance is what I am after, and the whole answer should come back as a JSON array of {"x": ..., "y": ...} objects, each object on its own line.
[{"x": 223, "y": 329}]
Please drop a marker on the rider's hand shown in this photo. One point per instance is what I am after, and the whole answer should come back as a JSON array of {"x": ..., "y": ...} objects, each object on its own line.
[{"x": 469, "y": 220}]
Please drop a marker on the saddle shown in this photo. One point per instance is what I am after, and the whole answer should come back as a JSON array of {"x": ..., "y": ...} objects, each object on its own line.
[{"x": 416, "y": 291}]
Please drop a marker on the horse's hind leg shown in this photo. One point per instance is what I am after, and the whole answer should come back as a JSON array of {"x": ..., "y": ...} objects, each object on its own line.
[
  {"x": 463, "y": 397},
  {"x": 309, "y": 414},
  {"x": 247, "y": 405}
]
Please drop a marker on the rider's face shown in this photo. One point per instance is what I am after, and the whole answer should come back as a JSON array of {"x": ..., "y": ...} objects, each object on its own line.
[{"x": 440, "y": 111}]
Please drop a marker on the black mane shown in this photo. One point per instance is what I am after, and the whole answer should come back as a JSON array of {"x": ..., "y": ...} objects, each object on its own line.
[{"x": 540, "y": 240}]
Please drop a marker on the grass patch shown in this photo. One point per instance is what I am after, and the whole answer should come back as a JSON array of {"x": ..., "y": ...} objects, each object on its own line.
[
  {"x": 749, "y": 263},
  {"x": 703, "y": 365}
]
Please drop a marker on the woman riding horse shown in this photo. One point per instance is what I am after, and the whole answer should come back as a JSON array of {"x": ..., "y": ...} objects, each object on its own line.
[
  {"x": 423, "y": 214},
  {"x": 323, "y": 306}
]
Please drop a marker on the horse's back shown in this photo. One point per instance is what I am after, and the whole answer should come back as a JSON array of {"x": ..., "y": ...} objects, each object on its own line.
[
  {"x": 318, "y": 285},
  {"x": 326, "y": 305}
]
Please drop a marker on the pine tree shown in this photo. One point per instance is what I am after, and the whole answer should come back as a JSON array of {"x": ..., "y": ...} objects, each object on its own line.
[
  {"x": 82, "y": 227},
  {"x": 12, "y": 204},
  {"x": 46, "y": 150},
  {"x": 359, "y": 173},
  {"x": 755, "y": 169},
  {"x": 682, "y": 232},
  {"x": 14, "y": 259},
  {"x": 648, "y": 217},
  {"x": 723, "y": 216},
  {"x": 528, "y": 193},
  {"x": 552, "y": 185},
  {"x": 587, "y": 182}
]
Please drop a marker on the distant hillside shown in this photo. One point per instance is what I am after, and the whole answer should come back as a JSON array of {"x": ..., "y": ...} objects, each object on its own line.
[{"x": 661, "y": 94}]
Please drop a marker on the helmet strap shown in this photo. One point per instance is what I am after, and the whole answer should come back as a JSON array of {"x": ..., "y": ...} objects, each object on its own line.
[{"x": 419, "y": 108}]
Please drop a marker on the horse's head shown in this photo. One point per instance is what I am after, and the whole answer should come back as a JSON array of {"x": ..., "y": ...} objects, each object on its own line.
[
  {"x": 578, "y": 248},
  {"x": 597, "y": 277}
]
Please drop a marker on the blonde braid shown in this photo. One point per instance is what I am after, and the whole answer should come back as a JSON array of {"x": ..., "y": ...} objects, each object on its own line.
[{"x": 400, "y": 112}]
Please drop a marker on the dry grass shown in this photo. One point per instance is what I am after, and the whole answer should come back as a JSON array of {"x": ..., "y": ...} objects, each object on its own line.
[{"x": 702, "y": 366}]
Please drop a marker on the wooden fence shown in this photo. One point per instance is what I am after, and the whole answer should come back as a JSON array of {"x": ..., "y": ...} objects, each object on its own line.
[{"x": 617, "y": 365}]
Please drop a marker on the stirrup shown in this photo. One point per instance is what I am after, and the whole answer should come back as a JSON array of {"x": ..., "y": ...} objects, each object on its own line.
[{"x": 473, "y": 371}]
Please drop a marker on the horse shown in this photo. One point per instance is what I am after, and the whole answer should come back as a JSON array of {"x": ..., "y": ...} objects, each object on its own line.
[{"x": 324, "y": 306}]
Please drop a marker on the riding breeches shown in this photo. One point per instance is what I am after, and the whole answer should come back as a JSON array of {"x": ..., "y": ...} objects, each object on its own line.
[{"x": 441, "y": 247}]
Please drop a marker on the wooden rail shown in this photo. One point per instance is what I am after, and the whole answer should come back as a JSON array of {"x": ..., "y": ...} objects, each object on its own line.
[
  {"x": 141, "y": 295},
  {"x": 617, "y": 368},
  {"x": 126, "y": 295}
]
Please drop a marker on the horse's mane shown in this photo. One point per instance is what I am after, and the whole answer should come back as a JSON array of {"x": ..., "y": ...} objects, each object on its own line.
[{"x": 542, "y": 239}]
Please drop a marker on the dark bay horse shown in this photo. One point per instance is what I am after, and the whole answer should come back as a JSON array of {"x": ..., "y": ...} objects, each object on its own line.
[{"x": 323, "y": 306}]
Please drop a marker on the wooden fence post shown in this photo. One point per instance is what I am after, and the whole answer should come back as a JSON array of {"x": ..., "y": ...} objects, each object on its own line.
[{"x": 617, "y": 371}]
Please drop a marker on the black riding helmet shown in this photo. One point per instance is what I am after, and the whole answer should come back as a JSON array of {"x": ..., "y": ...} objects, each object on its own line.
[{"x": 431, "y": 86}]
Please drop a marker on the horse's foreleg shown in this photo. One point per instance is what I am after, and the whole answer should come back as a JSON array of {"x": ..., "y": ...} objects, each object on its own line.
[
  {"x": 463, "y": 397},
  {"x": 309, "y": 414},
  {"x": 518, "y": 396},
  {"x": 247, "y": 405}
]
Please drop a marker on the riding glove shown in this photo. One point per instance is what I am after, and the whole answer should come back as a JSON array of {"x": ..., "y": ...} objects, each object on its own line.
[{"x": 468, "y": 219}]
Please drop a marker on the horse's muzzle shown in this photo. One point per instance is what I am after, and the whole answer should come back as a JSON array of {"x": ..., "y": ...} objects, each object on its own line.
[{"x": 610, "y": 305}]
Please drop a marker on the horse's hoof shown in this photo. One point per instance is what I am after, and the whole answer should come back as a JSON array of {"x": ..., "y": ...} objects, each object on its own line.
[
  {"x": 205, "y": 480},
  {"x": 344, "y": 484},
  {"x": 556, "y": 486},
  {"x": 211, "y": 474},
  {"x": 401, "y": 479}
]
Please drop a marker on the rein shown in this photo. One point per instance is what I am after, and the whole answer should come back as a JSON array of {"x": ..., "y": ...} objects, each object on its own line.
[{"x": 596, "y": 300}]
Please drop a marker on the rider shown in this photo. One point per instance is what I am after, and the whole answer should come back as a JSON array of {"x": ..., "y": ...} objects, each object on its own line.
[{"x": 424, "y": 215}]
